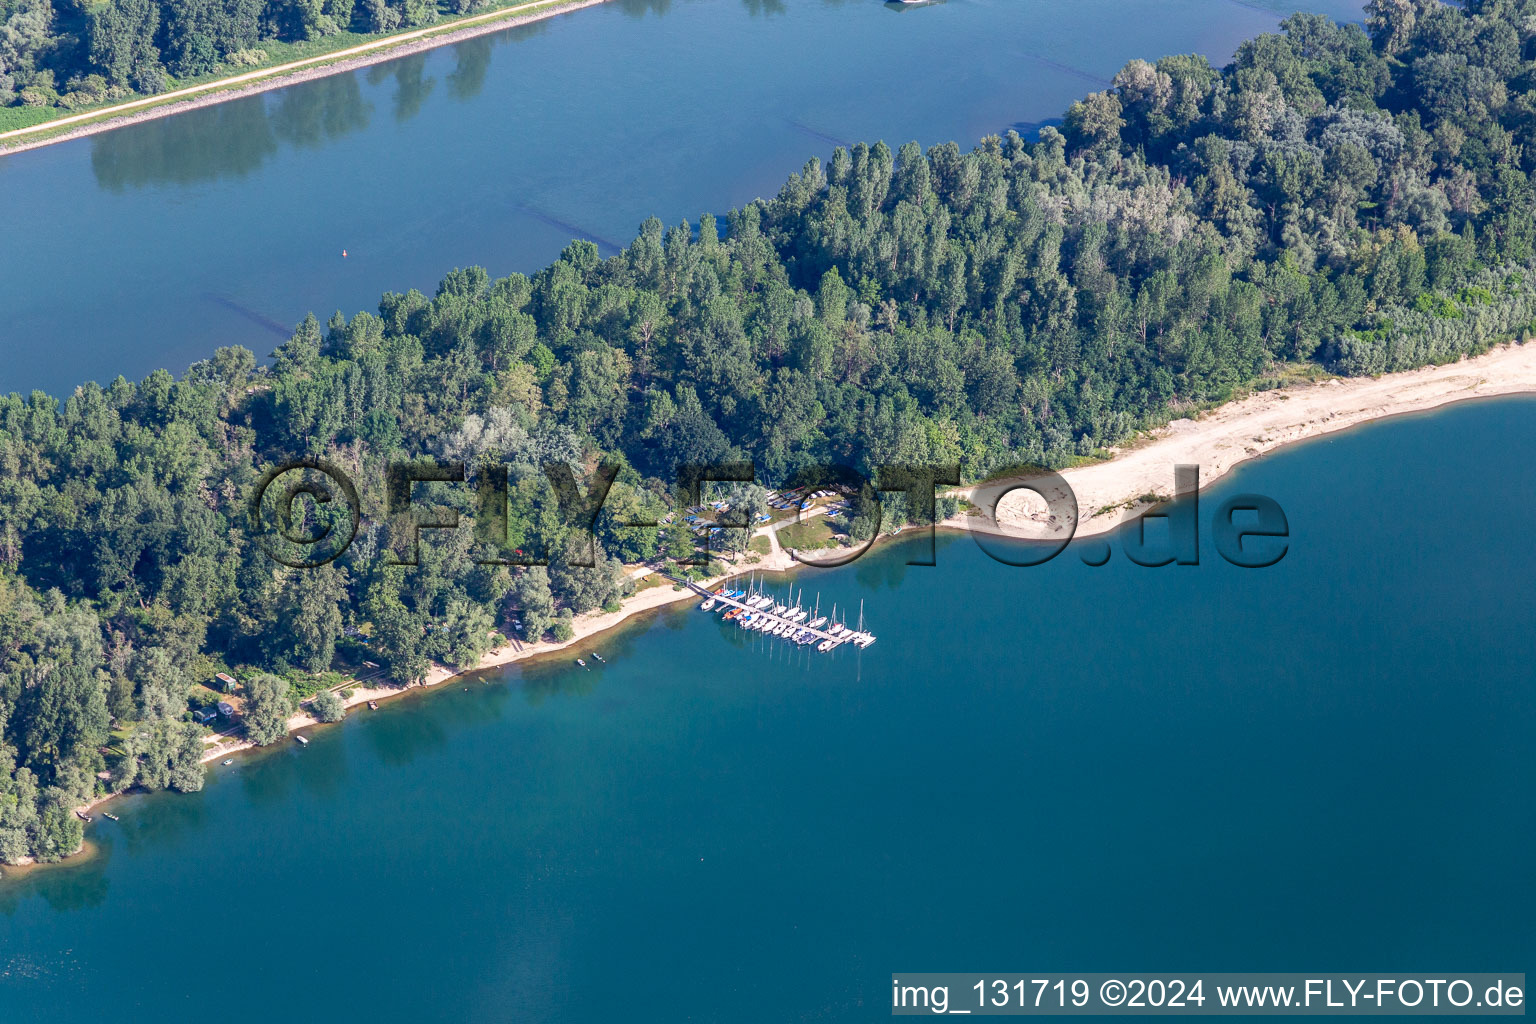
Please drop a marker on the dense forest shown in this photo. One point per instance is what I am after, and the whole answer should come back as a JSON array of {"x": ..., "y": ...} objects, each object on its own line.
[{"x": 1338, "y": 198}]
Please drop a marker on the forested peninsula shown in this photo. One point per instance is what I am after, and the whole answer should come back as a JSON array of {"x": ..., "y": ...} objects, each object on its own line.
[{"x": 1338, "y": 200}]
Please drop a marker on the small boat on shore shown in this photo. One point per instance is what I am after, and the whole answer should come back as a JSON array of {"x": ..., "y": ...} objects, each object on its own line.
[
  {"x": 373, "y": 705},
  {"x": 83, "y": 817}
]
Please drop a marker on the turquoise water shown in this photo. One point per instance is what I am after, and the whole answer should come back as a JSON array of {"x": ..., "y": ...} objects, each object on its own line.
[
  {"x": 1325, "y": 765},
  {"x": 151, "y": 245}
]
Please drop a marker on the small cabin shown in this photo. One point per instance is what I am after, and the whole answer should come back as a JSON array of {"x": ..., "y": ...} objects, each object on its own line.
[
  {"x": 226, "y": 709},
  {"x": 202, "y": 716},
  {"x": 226, "y": 682}
]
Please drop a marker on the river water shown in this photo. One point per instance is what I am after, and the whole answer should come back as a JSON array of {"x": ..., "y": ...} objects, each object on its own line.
[{"x": 150, "y": 246}]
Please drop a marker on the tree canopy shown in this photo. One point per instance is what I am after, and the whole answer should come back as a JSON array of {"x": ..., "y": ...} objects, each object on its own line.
[{"x": 1354, "y": 199}]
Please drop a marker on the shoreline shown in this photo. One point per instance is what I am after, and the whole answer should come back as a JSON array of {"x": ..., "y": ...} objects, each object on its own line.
[
  {"x": 1218, "y": 441},
  {"x": 261, "y": 80},
  {"x": 584, "y": 627},
  {"x": 1110, "y": 493}
]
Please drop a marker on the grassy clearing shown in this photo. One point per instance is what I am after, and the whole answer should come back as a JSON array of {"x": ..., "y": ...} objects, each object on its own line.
[
  {"x": 808, "y": 536},
  {"x": 12, "y": 118}
]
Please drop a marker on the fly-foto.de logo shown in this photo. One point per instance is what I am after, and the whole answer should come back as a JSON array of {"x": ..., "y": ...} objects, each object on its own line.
[{"x": 307, "y": 512}]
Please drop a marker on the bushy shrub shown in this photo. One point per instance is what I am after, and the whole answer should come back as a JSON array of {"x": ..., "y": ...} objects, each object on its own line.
[{"x": 327, "y": 707}]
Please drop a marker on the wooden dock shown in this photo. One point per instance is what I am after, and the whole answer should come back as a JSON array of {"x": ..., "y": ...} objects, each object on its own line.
[{"x": 731, "y": 602}]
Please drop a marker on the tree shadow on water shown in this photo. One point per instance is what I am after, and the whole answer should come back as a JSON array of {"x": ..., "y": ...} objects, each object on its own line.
[
  {"x": 472, "y": 61},
  {"x": 887, "y": 569},
  {"x": 157, "y": 822},
  {"x": 551, "y": 679},
  {"x": 412, "y": 84},
  {"x": 400, "y": 738},
  {"x": 322, "y": 765},
  {"x": 228, "y": 140},
  {"x": 64, "y": 887},
  {"x": 640, "y": 8},
  {"x": 269, "y": 780},
  {"x": 325, "y": 109}
]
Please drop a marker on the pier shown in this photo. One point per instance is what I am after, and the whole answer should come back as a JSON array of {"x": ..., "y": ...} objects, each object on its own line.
[{"x": 859, "y": 638}]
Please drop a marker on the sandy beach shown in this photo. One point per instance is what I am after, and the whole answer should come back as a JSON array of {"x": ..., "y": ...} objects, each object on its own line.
[
  {"x": 1109, "y": 493},
  {"x": 584, "y": 627}
]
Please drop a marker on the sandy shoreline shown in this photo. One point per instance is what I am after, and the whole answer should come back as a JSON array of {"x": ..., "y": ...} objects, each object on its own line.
[
  {"x": 1107, "y": 492},
  {"x": 584, "y": 627},
  {"x": 326, "y": 64}
]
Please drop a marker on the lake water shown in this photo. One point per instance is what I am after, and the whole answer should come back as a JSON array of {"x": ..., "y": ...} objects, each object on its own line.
[
  {"x": 151, "y": 245},
  {"x": 1324, "y": 765}
]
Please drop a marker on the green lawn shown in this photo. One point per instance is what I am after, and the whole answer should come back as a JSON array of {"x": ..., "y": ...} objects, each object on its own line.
[
  {"x": 809, "y": 535},
  {"x": 12, "y": 118}
]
